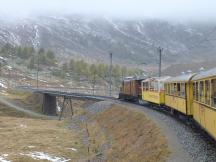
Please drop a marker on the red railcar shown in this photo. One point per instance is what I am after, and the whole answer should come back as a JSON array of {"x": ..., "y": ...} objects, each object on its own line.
[{"x": 131, "y": 89}]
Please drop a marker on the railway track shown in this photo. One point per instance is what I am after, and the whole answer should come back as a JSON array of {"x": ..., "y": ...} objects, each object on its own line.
[
  {"x": 177, "y": 116},
  {"x": 195, "y": 141}
]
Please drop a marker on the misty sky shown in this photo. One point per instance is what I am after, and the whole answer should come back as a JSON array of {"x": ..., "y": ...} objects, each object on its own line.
[{"x": 165, "y": 9}]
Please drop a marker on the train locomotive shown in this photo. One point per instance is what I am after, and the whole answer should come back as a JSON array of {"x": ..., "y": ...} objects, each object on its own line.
[{"x": 193, "y": 95}]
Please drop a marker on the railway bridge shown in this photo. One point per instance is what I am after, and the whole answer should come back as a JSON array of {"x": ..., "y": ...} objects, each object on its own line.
[{"x": 50, "y": 94}]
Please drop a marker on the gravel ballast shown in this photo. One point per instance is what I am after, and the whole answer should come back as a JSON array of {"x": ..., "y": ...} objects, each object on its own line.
[
  {"x": 98, "y": 107},
  {"x": 187, "y": 143}
]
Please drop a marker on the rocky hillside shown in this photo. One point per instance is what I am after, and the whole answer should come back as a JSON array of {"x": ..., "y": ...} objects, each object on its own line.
[{"x": 131, "y": 41}]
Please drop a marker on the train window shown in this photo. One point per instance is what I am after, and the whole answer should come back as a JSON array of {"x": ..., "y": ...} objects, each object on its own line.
[
  {"x": 178, "y": 89},
  {"x": 197, "y": 91},
  {"x": 156, "y": 86},
  {"x": 145, "y": 86},
  {"x": 194, "y": 90},
  {"x": 207, "y": 92},
  {"x": 182, "y": 90},
  {"x": 213, "y": 95},
  {"x": 161, "y": 86},
  {"x": 175, "y": 89},
  {"x": 168, "y": 89},
  {"x": 172, "y": 89},
  {"x": 201, "y": 91},
  {"x": 151, "y": 86}
]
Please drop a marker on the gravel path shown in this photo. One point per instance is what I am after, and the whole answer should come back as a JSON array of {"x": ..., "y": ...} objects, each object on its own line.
[{"x": 187, "y": 144}]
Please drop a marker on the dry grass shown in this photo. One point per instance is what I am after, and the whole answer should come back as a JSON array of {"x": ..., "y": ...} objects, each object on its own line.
[
  {"x": 53, "y": 137},
  {"x": 18, "y": 131},
  {"x": 27, "y": 100},
  {"x": 134, "y": 137},
  {"x": 7, "y": 111}
]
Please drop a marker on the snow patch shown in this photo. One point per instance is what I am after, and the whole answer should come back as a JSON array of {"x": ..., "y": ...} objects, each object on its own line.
[
  {"x": 3, "y": 86},
  {"x": 9, "y": 67},
  {"x": 2, "y": 58},
  {"x": 23, "y": 126},
  {"x": 36, "y": 40},
  {"x": 116, "y": 27},
  {"x": 45, "y": 156},
  {"x": 31, "y": 146},
  {"x": 73, "y": 149},
  {"x": 139, "y": 29},
  {"x": 58, "y": 107},
  {"x": 44, "y": 81},
  {"x": 5, "y": 155},
  {"x": 2, "y": 159},
  {"x": 14, "y": 39}
]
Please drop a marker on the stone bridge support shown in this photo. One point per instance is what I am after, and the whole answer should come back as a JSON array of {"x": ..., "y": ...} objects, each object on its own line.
[{"x": 49, "y": 105}]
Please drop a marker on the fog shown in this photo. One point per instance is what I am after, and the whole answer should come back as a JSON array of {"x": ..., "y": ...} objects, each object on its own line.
[{"x": 197, "y": 10}]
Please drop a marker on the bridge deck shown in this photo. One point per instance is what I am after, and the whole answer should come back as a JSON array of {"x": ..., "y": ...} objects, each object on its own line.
[{"x": 69, "y": 92}]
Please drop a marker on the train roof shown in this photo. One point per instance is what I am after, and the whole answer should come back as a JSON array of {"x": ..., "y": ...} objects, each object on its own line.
[
  {"x": 205, "y": 74},
  {"x": 131, "y": 78},
  {"x": 159, "y": 79},
  {"x": 181, "y": 78}
]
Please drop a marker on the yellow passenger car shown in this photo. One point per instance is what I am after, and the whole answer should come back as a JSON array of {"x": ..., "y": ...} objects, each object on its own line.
[
  {"x": 179, "y": 93},
  {"x": 153, "y": 90},
  {"x": 204, "y": 103}
]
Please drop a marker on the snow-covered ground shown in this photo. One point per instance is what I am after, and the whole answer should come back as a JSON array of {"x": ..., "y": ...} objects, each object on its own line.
[
  {"x": 45, "y": 156},
  {"x": 3, "y": 158},
  {"x": 3, "y": 85}
]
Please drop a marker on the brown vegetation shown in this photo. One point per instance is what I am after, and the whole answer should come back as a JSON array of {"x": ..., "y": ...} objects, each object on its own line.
[
  {"x": 129, "y": 135},
  {"x": 134, "y": 137},
  {"x": 21, "y": 136}
]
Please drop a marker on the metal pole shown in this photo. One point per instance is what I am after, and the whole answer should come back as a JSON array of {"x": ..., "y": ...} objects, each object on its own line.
[
  {"x": 110, "y": 76},
  {"x": 0, "y": 69},
  {"x": 160, "y": 56},
  {"x": 94, "y": 80},
  {"x": 37, "y": 69}
]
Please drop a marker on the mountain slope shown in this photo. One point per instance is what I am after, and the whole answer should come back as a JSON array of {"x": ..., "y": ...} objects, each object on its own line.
[{"x": 130, "y": 41}]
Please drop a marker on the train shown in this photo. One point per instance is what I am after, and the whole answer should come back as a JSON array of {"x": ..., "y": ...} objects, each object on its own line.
[{"x": 190, "y": 94}]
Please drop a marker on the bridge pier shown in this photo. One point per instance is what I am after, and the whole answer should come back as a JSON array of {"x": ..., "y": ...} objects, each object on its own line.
[
  {"x": 49, "y": 105},
  {"x": 66, "y": 102}
]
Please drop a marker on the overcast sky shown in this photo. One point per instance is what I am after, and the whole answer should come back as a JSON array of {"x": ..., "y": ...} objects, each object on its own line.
[{"x": 165, "y": 9}]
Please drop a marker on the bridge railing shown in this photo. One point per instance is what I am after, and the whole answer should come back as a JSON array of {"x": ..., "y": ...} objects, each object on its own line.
[{"x": 77, "y": 90}]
